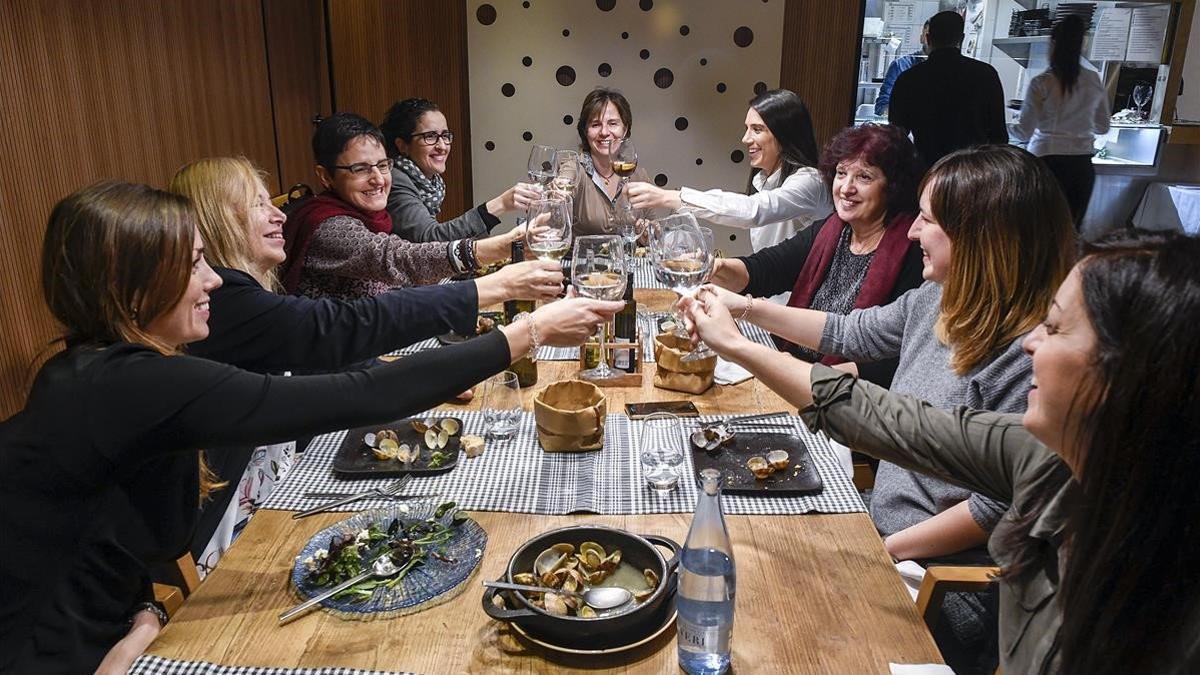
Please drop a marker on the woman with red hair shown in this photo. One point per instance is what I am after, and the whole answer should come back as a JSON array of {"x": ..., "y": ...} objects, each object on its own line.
[{"x": 859, "y": 256}]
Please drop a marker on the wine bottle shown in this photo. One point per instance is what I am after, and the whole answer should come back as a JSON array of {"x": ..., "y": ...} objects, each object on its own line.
[
  {"x": 707, "y": 585},
  {"x": 525, "y": 368},
  {"x": 625, "y": 330}
]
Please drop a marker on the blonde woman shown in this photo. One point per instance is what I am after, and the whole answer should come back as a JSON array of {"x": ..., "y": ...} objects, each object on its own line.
[{"x": 997, "y": 239}]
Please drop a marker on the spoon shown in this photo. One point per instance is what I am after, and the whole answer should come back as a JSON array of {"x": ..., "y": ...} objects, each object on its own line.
[
  {"x": 380, "y": 569},
  {"x": 600, "y": 597}
]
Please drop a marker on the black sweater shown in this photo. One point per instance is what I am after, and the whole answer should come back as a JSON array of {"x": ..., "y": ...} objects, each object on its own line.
[
  {"x": 99, "y": 473},
  {"x": 774, "y": 270}
]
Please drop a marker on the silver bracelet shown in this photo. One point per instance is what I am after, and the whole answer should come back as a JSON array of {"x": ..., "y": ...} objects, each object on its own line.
[
  {"x": 152, "y": 607},
  {"x": 534, "y": 337},
  {"x": 749, "y": 306}
]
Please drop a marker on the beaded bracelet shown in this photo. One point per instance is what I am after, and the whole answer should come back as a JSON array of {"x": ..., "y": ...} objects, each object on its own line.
[
  {"x": 534, "y": 337},
  {"x": 152, "y": 607}
]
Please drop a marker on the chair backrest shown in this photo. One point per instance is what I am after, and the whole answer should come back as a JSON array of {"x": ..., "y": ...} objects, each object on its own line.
[{"x": 290, "y": 199}]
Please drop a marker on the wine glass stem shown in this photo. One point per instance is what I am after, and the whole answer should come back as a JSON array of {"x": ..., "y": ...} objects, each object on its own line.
[{"x": 602, "y": 367}]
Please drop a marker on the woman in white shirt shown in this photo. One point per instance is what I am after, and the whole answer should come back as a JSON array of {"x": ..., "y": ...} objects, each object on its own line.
[
  {"x": 1064, "y": 106},
  {"x": 786, "y": 192}
]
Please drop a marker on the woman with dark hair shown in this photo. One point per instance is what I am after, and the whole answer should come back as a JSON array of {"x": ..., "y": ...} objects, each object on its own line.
[
  {"x": 416, "y": 136},
  {"x": 116, "y": 420},
  {"x": 1064, "y": 107},
  {"x": 785, "y": 193},
  {"x": 997, "y": 241},
  {"x": 340, "y": 244},
  {"x": 1098, "y": 553},
  {"x": 605, "y": 121},
  {"x": 860, "y": 256}
]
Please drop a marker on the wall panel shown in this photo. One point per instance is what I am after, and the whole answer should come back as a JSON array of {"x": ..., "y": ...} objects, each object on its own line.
[
  {"x": 385, "y": 51},
  {"x": 100, "y": 89},
  {"x": 820, "y": 59}
]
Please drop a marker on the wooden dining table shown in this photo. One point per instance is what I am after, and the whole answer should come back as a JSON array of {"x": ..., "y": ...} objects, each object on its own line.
[{"x": 816, "y": 593}]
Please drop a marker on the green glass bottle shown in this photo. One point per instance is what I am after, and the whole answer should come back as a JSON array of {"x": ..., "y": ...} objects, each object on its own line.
[
  {"x": 625, "y": 330},
  {"x": 525, "y": 368}
]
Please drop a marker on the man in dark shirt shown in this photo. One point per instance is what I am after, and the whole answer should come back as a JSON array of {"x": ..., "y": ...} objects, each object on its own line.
[{"x": 950, "y": 101}]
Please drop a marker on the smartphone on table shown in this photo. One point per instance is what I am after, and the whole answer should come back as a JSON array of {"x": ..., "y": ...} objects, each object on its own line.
[{"x": 637, "y": 411}]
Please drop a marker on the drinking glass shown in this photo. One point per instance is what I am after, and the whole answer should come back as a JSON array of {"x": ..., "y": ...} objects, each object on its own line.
[
  {"x": 1141, "y": 96},
  {"x": 502, "y": 406},
  {"x": 626, "y": 223},
  {"x": 598, "y": 269},
  {"x": 548, "y": 228},
  {"x": 567, "y": 173},
  {"x": 682, "y": 255},
  {"x": 624, "y": 160},
  {"x": 540, "y": 166},
  {"x": 662, "y": 446}
]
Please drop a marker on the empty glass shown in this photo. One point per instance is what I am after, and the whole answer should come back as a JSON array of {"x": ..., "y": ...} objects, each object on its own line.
[
  {"x": 662, "y": 446},
  {"x": 502, "y": 406},
  {"x": 540, "y": 167},
  {"x": 567, "y": 173}
]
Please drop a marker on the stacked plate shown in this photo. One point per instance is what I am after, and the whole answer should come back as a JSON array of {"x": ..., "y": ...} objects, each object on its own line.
[
  {"x": 1083, "y": 10},
  {"x": 1030, "y": 22}
]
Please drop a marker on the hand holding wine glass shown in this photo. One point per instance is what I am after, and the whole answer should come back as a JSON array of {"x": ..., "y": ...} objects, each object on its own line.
[
  {"x": 548, "y": 230},
  {"x": 625, "y": 159},
  {"x": 540, "y": 166},
  {"x": 567, "y": 173},
  {"x": 598, "y": 271},
  {"x": 682, "y": 255}
]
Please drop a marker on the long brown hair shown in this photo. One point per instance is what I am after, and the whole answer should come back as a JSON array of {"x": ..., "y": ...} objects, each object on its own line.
[
  {"x": 1012, "y": 243},
  {"x": 117, "y": 256},
  {"x": 223, "y": 191}
]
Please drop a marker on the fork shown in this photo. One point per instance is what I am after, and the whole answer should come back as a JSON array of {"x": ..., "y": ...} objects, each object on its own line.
[{"x": 390, "y": 490}]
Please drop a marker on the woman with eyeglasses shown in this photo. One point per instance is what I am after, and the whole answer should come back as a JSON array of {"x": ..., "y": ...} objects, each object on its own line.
[
  {"x": 340, "y": 243},
  {"x": 417, "y": 138}
]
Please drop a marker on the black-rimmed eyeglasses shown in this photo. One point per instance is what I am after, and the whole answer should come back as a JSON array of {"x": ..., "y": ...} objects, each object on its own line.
[
  {"x": 363, "y": 169},
  {"x": 432, "y": 137}
]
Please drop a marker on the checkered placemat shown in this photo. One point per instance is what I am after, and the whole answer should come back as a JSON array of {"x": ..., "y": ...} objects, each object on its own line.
[
  {"x": 643, "y": 274},
  {"x": 148, "y": 664},
  {"x": 518, "y": 476}
]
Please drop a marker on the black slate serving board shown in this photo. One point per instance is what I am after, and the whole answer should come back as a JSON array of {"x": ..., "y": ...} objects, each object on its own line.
[
  {"x": 800, "y": 477},
  {"x": 355, "y": 460}
]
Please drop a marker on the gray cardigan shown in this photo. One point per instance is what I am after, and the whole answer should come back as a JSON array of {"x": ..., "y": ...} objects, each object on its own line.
[
  {"x": 411, "y": 219},
  {"x": 905, "y": 328}
]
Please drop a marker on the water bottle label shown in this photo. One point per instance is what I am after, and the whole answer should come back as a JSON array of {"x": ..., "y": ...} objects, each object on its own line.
[{"x": 699, "y": 638}]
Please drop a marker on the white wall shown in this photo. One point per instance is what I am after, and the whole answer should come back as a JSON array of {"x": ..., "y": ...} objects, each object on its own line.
[
  {"x": 1187, "y": 106},
  {"x": 539, "y": 102}
]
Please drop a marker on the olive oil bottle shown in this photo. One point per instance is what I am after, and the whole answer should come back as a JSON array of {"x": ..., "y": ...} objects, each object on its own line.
[{"x": 526, "y": 369}]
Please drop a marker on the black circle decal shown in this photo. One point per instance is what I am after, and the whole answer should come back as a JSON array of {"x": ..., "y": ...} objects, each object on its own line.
[
  {"x": 704, "y": 62},
  {"x": 489, "y": 146},
  {"x": 737, "y": 155},
  {"x": 508, "y": 89},
  {"x": 644, "y": 54},
  {"x": 528, "y": 135},
  {"x": 567, "y": 119},
  {"x": 525, "y": 4},
  {"x": 566, "y": 33},
  {"x": 565, "y": 75},
  {"x": 733, "y": 237},
  {"x": 743, "y": 36},
  {"x": 606, "y": 5},
  {"x": 663, "y": 77},
  {"x": 624, "y": 36},
  {"x": 681, "y": 123},
  {"x": 604, "y": 70},
  {"x": 527, "y": 61},
  {"x": 646, "y": 5},
  {"x": 720, "y": 87},
  {"x": 684, "y": 30},
  {"x": 699, "y": 161},
  {"x": 486, "y": 14},
  {"x": 660, "y": 180},
  {"x": 759, "y": 87}
]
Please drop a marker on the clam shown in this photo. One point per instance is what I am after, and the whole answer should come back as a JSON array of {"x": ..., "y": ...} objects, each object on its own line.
[
  {"x": 524, "y": 578},
  {"x": 431, "y": 439},
  {"x": 611, "y": 563},
  {"x": 760, "y": 467},
  {"x": 555, "y": 604},
  {"x": 591, "y": 546},
  {"x": 779, "y": 459},
  {"x": 443, "y": 439},
  {"x": 651, "y": 578},
  {"x": 552, "y": 558},
  {"x": 586, "y": 612},
  {"x": 595, "y": 576},
  {"x": 387, "y": 434},
  {"x": 407, "y": 453},
  {"x": 419, "y": 426},
  {"x": 451, "y": 426},
  {"x": 592, "y": 560},
  {"x": 498, "y": 602},
  {"x": 643, "y": 595},
  {"x": 570, "y": 584}
]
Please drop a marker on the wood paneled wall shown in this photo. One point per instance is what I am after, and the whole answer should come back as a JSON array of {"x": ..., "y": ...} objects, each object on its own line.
[
  {"x": 129, "y": 89},
  {"x": 385, "y": 51},
  {"x": 821, "y": 43}
]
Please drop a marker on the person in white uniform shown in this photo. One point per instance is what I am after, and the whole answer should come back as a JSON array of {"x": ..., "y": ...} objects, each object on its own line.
[{"x": 785, "y": 194}]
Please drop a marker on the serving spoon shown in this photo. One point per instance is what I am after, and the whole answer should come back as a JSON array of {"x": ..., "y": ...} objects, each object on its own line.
[
  {"x": 600, "y": 597},
  {"x": 382, "y": 568}
]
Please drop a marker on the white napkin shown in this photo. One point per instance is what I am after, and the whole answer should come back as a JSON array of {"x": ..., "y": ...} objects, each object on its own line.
[
  {"x": 728, "y": 372},
  {"x": 920, "y": 669}
]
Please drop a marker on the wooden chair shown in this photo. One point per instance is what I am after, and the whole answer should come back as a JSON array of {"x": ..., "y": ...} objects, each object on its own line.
[
  {"x": 172, "y": 597},
  {"x": 939, "y": 581}
]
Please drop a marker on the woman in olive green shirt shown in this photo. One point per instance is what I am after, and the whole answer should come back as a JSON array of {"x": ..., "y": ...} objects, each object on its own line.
[{"x": 1101, "y": 546}]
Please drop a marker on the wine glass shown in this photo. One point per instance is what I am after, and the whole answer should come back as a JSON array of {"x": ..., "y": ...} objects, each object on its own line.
[
  {"x": 662, "y": 444},
  {"x": 540, "y": 166},
  {"x": 1141, "y": 96},
  {"x": 598, "y": 269},
  {"x": 682, "y": 256},
  {"x": 567, "y": 173},
  {"x": 548, "y": 228},
  {"x": 627, "y": 224},
  {"x": 624, "y": 160}
]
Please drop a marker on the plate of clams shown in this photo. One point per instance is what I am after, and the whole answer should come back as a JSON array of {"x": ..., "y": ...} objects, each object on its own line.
[
  {"x": 760, "y": 464},
  {"x": 415, "y": 445}
]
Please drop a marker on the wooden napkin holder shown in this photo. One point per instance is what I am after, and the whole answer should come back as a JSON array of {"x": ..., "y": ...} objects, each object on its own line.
[{"x": 622, "y": 378}]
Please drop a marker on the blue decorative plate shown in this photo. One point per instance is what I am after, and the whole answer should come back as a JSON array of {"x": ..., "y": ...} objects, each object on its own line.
[{"x": 431, "y": 583}]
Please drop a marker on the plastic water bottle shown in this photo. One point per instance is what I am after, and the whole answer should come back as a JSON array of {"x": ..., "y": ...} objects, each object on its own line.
[{"x": 706, "y": 585}]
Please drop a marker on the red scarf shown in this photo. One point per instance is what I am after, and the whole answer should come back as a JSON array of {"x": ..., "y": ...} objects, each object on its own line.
[
  {"x": 881, "y": 275},
  {"x": 303, "y": 222}
]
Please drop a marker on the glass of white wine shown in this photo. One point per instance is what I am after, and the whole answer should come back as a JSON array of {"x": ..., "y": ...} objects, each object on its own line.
[
  {"x": 598, "y": 269},
  {"x": 682, "y": 254},
  {"x": 625, "y": 160},
  {"x": 567, "y": 173},
  {"x": 548, "y": 228},
  {"x": 540, "y": 166}
]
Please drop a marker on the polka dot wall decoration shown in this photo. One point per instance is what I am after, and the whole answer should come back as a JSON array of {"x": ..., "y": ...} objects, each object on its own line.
[
  {"x": 687, "y": 69},
  {"x": 759, "y": 87},
  {"x": 525, "y": 4}
]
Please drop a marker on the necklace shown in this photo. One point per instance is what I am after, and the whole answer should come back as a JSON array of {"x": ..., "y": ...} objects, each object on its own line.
[
  {"x": 866, "y": 245},
  {"x": 609, "y": 176}
]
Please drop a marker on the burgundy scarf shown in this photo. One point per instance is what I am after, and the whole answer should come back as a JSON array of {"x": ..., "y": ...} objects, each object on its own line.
[
  {"x": 881, "y": 275},
  {"x": 303, "y": 222}
]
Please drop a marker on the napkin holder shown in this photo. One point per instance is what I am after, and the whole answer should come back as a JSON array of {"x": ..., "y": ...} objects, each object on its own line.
[
  {"x": 672, "y": 372},
  {"x": 620, "y": 378},
  {"x": 570, "y": 416}
]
